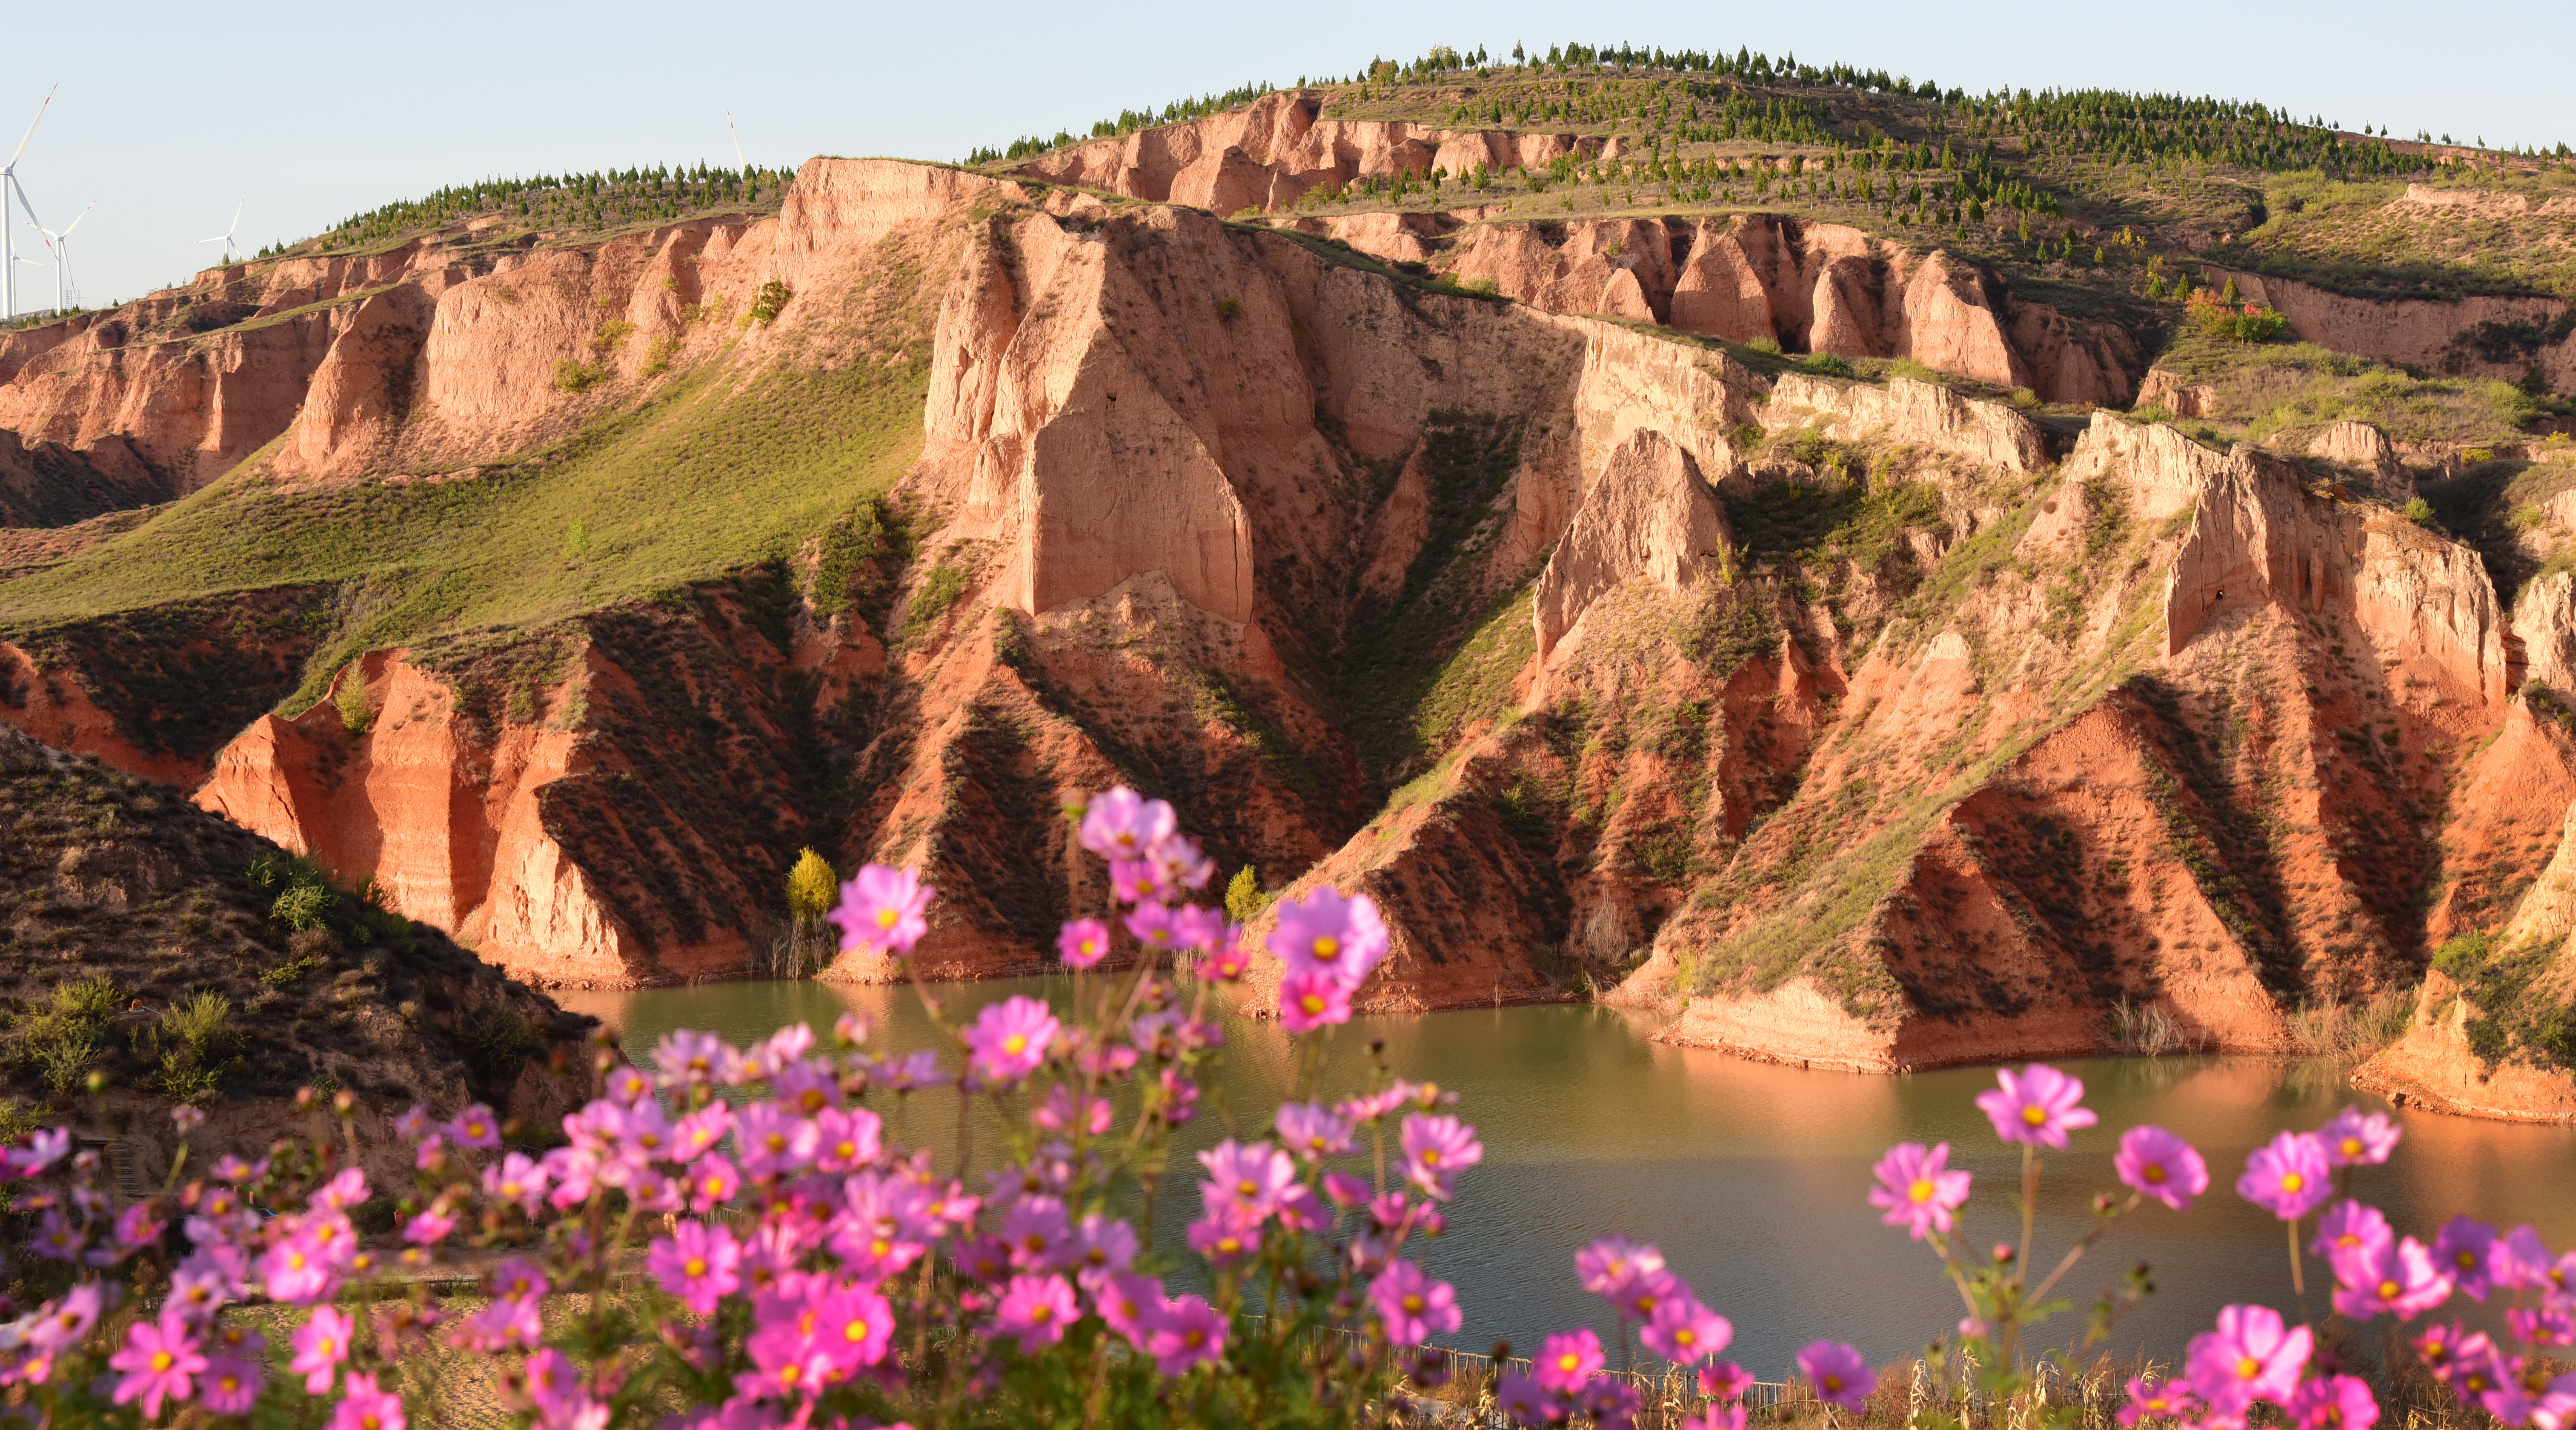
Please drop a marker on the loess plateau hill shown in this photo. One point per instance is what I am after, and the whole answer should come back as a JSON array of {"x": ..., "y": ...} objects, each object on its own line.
[{"x": 1768, "y": 544}]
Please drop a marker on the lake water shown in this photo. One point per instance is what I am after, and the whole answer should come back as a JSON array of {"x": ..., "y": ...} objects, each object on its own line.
[{"x": 1753, "y": 1179}]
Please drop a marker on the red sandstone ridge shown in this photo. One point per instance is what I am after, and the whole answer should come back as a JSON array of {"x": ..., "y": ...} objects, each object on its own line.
[
  {"x": 1862, "y": 723},
  {"x": 2435, "y": 335}
]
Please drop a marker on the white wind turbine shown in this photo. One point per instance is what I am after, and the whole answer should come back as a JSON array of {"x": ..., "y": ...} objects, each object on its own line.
[
  {"x": 739, "y": 162},
  {"x": 226, "y": 237},
  {"x": 8, "y": 249},
  {"x": 61, "y": 244}
]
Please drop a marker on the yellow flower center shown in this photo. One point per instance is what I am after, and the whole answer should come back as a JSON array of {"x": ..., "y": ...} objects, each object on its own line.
[
  {"x": 2034, "y": 1116},
  {"x": 1413, "y": 1304},
  {"x": 1686, "y": 1337},
  {"x": 1194, "y": 1338},
  {"x": 2155, "y": 1172},
  {"x": 856, "y": 1330},
  {"x": 1921, "y": 1190},
  {"x": 1042, "y": 1312},
  {"x": 1568, "y": 1361},
  {"x": 1246, "y": 1187},
  {"x": 2351, "y": 1146},
  {"x": 1327, "y": 948},
  {"x": 2388, "y": 1290},
  {"x": 695, "y": 1267},
  {"x": 1015, "y": 1044},
  {"x": 2247, "y": 1367},
  {"x": 886, "y": 918},
  {"x": 1312, "y": 1003},
  {"x": 1833, "y": 1384},
  {"x": 2292, "y": 1181},
  {"x": 161, "y": 1360}
]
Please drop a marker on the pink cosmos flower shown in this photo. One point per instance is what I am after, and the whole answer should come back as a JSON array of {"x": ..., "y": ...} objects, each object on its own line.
[
  {"x": 882, "y": 911},
  {"x": 1606, "y": 1266},
  {"x": 1249, "y": 1178},
  {"x": 1411, "y": 1306},
  {"x": 1038, "y": 1231},
  {"x": 1724, "y": 1381},
  {"x": 2250, "y": 1357},
  {"x": 1436, "y": 1150},
  {"x": 2399, "y": 1280},
  {"x": 2462, "y": 1248},
  {"x": 2335, "y": 1402},
  {"x": 1010, "y": 1039},
  {"x": 475, "y": 1127},
  {"x": 846, "y": 1139},
  {"x": 1839, "y": 1374},
  {"x": 1310, "y": 1131},
  {"x": 1716, "y": 1417},
  {"x": 2353, "y": 1140},
  {"x": 2038, "y": 1106},
  {"x": 1063, "y": 1111},
  {"x": 517, "y": 1179},
  {"x": 2351, "y": 1231},
  {"x": 1129, "y": 1302},
  {"x": 229, "y": 1386},
  {"x": 43, "y": 1149},
  {"x": 1327, "y": 933},
  {"x": 2288, "y": 1178},
  {"x": 688, "y": 1058},
  {"x": 1122, "y": 824},
  {"x": 1685, "y": 1332},
  {"x": 1186, "y": 1333},
  {"x": 346, "y": 1189},
  {"x": 1102, "y": 1246},
  {"x": 365, "y": 1407},
  {"x": 2150, "y": 1398},
  {"x": 2545, "y": 1325},
  {"x": 1083, "y": 943},
  {"x": 2160, "y": 1165},
  {"x": 1226, "y": 1235},
  {"x": 1916, "y": 1190},
  {"x": 696, "y": 1264},
  {"x": 158, "y": 1358},
  {"x": 65, "y": 1320},
  {"x": 1035, "y": 1310},
  {"x": 320, "y": 1349},
  {"x": 297, "y": 1270},
  {"x": 855, "y": 1325},
  {"x": 2518, "y": 1261},
  {"x": 1227, "y": 964},
  {"x": 1645, "y": 1292},
  {"x": 1525, "y": 1401},
  {"x": 1312, "y": 999},
  {"x": 1568, "y": 1359}
]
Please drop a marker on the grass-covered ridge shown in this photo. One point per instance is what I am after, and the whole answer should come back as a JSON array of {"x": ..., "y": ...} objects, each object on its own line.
[
  {"x": 2077, "y": 196},
  {"x": 703, "y": 479}
]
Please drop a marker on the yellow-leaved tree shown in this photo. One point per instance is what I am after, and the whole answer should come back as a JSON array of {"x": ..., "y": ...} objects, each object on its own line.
[{"x": 812, "y": 889}]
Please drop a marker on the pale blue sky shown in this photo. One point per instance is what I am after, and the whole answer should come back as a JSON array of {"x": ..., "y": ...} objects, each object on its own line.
[{"x": 169, "y": 113}]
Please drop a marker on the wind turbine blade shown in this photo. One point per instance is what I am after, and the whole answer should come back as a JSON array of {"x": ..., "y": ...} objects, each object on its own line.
[
  {"x": 76, "y": 220},
  {"x": 236, "y": 224},
  {"x": 31, "y": 131},
  {"x": 739, "y": 161},
  {"x": 16, "y": 188}
]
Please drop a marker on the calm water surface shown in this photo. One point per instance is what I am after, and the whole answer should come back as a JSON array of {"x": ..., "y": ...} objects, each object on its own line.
[{"x": 1753, "y": 1178}]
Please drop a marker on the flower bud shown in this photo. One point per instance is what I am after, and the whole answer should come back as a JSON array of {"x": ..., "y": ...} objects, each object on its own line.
[{"x": 2003, "y": 1253}]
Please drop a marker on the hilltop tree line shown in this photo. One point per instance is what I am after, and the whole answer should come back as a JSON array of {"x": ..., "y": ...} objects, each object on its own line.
[
  {"x": 2110, "y": 126},
  {"x": 593, "y": 200}
]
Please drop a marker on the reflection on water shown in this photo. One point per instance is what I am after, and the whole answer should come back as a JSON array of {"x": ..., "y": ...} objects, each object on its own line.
[{"x": 1751, "y": 1177}]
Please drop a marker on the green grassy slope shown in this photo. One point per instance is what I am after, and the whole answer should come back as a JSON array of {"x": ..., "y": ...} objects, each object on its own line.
[{"x": 703, "y": 479}]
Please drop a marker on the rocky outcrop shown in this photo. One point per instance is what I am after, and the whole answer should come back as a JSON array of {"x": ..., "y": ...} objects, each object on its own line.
[
  {"x": 1650, "y": 517},
  {"x": 1811, "y": 287},
  {"x": 2544, "y": 624},
  {"x": 2479, "y": 336},
  {"x": 2176, "y": 394},
  {"x": 2366, "y": 453},
  {"x": 1926, "y": 414},
  {"x": 1273, "y": 151},
  {"x": 2432, "y": 1066}
]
